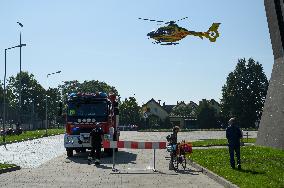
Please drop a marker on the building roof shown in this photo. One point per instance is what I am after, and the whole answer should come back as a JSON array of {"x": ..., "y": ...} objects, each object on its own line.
[
  {"x": 153, "y": 100},
  {"x": 168, "y": 108}
]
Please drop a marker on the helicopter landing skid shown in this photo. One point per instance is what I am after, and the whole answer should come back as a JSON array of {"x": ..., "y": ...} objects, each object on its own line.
[{"x": 171, "y": 43}]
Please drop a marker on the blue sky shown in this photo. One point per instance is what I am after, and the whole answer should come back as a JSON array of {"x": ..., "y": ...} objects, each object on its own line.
[{"x": 105, "y": 40}]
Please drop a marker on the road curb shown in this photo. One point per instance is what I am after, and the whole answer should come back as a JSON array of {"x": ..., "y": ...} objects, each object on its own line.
[
  {"x": 214, "y": 176},
  {"x": 10, "y": 169}
]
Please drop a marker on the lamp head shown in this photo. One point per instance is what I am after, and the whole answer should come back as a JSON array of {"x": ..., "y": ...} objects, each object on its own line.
[{"x": 20, "y": 24}]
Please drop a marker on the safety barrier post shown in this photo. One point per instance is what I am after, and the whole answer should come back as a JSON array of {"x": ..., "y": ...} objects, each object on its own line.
[
  {"x": 154, "y": 169},
  {"x": 133, "y": 145}
]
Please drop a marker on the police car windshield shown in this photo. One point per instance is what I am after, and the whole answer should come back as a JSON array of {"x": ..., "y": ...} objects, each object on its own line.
[{"x": 97, "y": 109}]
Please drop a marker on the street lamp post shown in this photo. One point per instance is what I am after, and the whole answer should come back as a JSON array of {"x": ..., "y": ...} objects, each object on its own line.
[
  {"x": 20, "y": 78},
  {"x": 46, "y": 101},
  {"x": 4, "y": 94}
]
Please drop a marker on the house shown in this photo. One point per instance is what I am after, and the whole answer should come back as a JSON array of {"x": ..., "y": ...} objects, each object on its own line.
[
  {"x": 158, "y": 114},
  {"x": 154, "y": 108},
  {"x": 184, "y": 120},
  {"x": 154, "y": 114},
  {"x": 212, "y": 103}
]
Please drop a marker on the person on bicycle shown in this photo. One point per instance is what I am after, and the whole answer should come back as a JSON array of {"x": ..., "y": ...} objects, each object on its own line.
[{"x": 173, "y": 137}]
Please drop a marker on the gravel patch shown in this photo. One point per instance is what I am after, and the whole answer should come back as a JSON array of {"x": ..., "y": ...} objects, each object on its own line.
[{"x": 32, "y": 153}]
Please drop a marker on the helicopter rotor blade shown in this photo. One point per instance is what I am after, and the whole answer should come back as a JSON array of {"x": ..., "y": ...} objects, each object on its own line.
[
  {"x": 150, "y": 20},
  {"x": 182, "y": 19},
  {"x": 176, "y": 20}
]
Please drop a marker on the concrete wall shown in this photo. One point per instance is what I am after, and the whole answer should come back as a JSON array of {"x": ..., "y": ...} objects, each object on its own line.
[{"x": 271, "y": 128}]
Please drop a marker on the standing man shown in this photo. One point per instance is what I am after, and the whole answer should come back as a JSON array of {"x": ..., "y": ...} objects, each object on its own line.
[
  {"x": 96, "y": 136},
  {"x": 234, "y": 134}
]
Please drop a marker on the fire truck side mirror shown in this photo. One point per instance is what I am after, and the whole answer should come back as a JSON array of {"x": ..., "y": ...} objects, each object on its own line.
[{"x": 116, "y": 111}]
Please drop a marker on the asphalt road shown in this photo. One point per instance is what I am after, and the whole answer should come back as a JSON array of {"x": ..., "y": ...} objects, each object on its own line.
[{"x": 45, "y": 164}]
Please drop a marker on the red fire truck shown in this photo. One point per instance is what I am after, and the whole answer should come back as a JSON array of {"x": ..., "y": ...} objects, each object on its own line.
[{"x": 84, "y": 112}]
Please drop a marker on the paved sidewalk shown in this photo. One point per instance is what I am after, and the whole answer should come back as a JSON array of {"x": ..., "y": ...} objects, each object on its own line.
[{"x": 45, "y": 164}]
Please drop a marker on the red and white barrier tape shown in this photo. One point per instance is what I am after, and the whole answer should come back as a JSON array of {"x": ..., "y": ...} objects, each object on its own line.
[{"x": 134, "y": 145}]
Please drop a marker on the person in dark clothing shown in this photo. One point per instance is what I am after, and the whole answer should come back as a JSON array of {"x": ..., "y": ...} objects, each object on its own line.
[
  {"x": 96, "y": 136},
  {"x": 172, "y": 139},
  {"x": 234, "y": 134}
]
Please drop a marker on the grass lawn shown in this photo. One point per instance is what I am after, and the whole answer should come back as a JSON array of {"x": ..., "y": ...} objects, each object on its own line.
[
  {"x": 5, "y": 165},
  {"x": 32, "y": 134},
  {"x": 218, "y": 142},
  {"x": 261, "y": 166}
]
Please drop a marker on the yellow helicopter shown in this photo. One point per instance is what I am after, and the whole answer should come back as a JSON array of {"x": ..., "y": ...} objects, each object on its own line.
[{"x": 171, "y": 33}]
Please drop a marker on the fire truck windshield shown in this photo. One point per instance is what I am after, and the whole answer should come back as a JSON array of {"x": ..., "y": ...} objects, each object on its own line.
[{"x": 94, "y": 109}]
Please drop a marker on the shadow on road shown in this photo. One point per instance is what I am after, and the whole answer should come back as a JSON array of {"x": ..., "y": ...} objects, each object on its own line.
[
  {"x": 149, "y": 172},
  {"x": 188, "y": 171},
  {"x": 121, "y": 157}
]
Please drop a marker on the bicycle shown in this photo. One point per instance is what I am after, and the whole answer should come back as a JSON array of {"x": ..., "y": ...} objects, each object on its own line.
[{"x": 180, "y": 154}]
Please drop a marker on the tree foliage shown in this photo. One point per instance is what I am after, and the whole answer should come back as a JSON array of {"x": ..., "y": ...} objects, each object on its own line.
[
  {"x": 244, "y": 93},
  {"x": 92, "y": 86},
  {"x": 32, "y": 95},
  {"x": 129, "y": 112},
  {"x": 53, "y": 100},
  {"x": 206, "y": 116}
]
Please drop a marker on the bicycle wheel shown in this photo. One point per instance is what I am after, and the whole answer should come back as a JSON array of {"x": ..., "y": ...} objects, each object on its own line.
[
  {"x": 183, "y": 164},
  {"x": 173, "y": 162}
]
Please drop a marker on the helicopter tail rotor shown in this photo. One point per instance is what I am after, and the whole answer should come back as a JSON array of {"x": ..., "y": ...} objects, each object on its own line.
[{"x": 212, "y": 34}]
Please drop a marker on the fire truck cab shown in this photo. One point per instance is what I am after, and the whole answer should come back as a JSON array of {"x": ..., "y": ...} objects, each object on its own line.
[{"x": 84, "y": 112}]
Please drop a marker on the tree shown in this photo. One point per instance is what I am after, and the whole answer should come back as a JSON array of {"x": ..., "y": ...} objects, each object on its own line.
[
  {"x": 92, "y": 86},
  {"x": 53, "y": 100},
  {"x": 1, "y": 101},
  {"x": 206, "y": 116},
  {"x": 32, "y": 95},
  {"x": 244, "y": 93},
  {"x": 129, "y": 112}
]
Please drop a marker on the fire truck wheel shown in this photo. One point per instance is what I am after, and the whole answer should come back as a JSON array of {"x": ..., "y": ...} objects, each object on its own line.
[
  {"x": 69, "y": 152},
  {"x": 108, "y": 152},
  {"x": 83, "y": 150}
]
